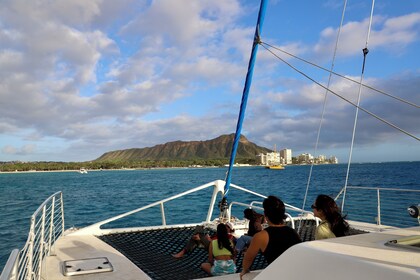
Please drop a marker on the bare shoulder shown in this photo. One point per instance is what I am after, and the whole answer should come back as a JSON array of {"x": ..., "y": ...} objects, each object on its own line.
[
  {"x": 260, "y": 240},
  {"x": 261, "y": 234}
]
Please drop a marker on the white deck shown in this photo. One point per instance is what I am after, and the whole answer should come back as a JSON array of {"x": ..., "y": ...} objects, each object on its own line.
[
  {"x": 78, "y": 247},
  {"x": 355, "y": 257}
]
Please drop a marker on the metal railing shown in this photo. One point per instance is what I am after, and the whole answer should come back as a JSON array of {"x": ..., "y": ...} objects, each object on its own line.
[
  {"x": 379, "y": 205},
  {"x": 289, "y": 218},
  {"x": 47, "y": 225},
  {"x": 218, "y": 188},
  {"x": 96, "y": 229}
]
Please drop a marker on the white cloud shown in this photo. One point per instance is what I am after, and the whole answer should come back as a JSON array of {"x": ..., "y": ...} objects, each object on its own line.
[
  {"x": 186, "y": 22},
  {"x": 121, "y": 74},
  {"x": 388, "y": 33},
  {"x": 24, "y": 150}
]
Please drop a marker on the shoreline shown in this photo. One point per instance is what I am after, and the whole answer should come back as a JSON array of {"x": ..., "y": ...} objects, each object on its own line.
[
  {"x": 182, "y": 167},
  {"x": 97, "y": 170}
]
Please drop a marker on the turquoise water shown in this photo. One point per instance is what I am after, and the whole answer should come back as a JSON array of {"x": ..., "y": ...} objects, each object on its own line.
[{"x": 98, "y": 195}]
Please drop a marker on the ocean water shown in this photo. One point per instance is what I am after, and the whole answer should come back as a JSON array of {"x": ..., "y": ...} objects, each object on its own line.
[{"x": 98, "y": 195}]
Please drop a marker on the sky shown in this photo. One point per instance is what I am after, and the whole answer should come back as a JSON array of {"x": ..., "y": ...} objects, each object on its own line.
[{"x": 80, "y": 78}]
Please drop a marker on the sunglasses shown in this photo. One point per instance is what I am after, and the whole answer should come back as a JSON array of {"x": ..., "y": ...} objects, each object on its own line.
[{"x": 313, "y": 206}]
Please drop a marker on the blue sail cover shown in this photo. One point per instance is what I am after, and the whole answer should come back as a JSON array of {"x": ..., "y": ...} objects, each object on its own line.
[{"x": 245, "y": 93}]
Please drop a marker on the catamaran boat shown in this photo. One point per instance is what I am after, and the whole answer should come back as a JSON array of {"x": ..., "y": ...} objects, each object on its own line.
[
  {"x": 370, "y": 251},
  {"x": 98, "y": 251}
]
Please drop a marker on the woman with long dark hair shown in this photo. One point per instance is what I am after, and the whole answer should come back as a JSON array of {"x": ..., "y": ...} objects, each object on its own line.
[
  {"x": 332, "y": 223},
  {"x": 221, "y": 254},
  {"x": 255, "y": 225}
]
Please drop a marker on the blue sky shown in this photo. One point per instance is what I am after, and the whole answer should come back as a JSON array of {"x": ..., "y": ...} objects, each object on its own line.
[{"x": 81, "y": 78}]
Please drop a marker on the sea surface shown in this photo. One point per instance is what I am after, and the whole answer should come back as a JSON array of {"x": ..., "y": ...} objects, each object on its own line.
[{"x": 98, "y": 195}]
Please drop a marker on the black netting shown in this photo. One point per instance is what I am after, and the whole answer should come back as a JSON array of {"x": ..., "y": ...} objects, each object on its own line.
[{"x": 151, "y": 251}]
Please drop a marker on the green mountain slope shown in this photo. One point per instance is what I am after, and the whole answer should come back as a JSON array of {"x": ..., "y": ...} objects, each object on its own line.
[{"x": 218, "y": 148}]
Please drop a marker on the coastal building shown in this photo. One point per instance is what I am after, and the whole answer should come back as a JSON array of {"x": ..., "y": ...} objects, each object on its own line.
[
  {"x": 305, "y": 158},
  {"x": 272, "y": 158},
  {"x": 321, "y": 159},
  {"x": 333, "y": 160},
  {"x": 286, "y": 156}
]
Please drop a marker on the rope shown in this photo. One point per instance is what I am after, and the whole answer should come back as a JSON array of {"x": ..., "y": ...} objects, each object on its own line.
[
  {"x": 365, "y": 52},
  {"x": 341, "y": 76},
  {"x": 343, "y": 98},
  {"x": 324, "y": 104}
]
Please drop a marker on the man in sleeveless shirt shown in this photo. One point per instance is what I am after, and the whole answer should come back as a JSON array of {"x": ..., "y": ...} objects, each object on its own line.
[{"x": 273, "y": 240}]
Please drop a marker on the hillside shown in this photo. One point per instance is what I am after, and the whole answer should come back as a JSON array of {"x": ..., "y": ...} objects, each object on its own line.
[{"x": 218, "y": 148}]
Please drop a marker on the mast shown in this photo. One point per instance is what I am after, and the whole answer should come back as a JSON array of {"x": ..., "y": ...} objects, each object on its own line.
[{"x": 245, "y": 93}]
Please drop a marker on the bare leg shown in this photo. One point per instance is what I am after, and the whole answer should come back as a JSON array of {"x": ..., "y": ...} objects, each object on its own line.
[
  {"x": 180, "y": 254},
  {"x": 191, "y": 244},
  {"x": 206, "y": 267}
]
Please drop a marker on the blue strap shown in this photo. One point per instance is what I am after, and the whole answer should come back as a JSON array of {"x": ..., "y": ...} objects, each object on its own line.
[{"x": 245, "y": 93}]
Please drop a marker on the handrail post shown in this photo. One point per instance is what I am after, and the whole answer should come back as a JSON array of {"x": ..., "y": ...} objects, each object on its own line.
[
  {"x": 62, "y": 213},
  {"x": 162, "y": 210},
  {"x": 218, "y": 187},
  {"x": 230, "y": 212},
  {"x": 291, "y": 219},
  {"x": 379, "y": 207},
  {"x": 41, "y": 243},
  {"x": 31, "y": 248},
  {"x": 51, "y": 225}
]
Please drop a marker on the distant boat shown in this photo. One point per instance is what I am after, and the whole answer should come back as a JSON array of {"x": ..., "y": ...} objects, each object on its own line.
[
  {"x": 239, "y": 165},
  {"x": 276, "y": 167},
  {"x": 83, "y": 171}
]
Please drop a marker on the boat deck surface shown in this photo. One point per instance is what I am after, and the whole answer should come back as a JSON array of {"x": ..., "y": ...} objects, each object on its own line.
[
  {"x": 79, "y": 247},
  {"x": 150, "y": 250},
  {"x": 363, "y": 256}
]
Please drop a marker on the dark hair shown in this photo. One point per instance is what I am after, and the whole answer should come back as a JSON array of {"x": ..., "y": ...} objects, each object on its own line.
[
  {"x": 250, "y": 213},
  {"x": 274, "y": 210},
  {"x": 332, "y": 214},
  {"x": 223, "y": 240}
]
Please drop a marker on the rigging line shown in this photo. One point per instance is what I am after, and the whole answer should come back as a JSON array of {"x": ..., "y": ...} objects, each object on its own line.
[
  {"x": 245, "y": 93},
  {"x": 343, "y": 98},
  {"x": 342, "y": 76},
  {"x": 359, "y": 95},
  {"x": 325, "y": 103}
]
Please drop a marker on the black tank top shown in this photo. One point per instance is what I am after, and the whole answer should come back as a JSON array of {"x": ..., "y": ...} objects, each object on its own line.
[{"x": 279, "y": 240}]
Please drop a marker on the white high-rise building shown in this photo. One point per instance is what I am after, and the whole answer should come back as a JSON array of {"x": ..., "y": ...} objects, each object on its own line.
[
  {"x": 286, "y": 154},
  {"x": 272, "y": 158}
]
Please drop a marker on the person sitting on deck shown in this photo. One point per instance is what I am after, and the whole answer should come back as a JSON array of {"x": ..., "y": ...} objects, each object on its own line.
[
  {"x": 221, "y": 258},
  {"x": 273, "y": 240},
  {"x": 332, "y": 222},
  {"x": 255, "y": 225},
  {"x": 201, "y": 239}
]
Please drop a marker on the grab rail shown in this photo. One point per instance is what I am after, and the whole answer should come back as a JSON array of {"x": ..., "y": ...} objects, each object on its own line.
[
  {"x": 218, "y": 187},
  {"x": 47, "y": 224},
  {"x": 379, "y": 205},
  {"x": 11, "y": 268}
]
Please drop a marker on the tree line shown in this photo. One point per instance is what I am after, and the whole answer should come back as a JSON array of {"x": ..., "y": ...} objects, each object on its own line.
[{"x": 98, "y": 165}]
